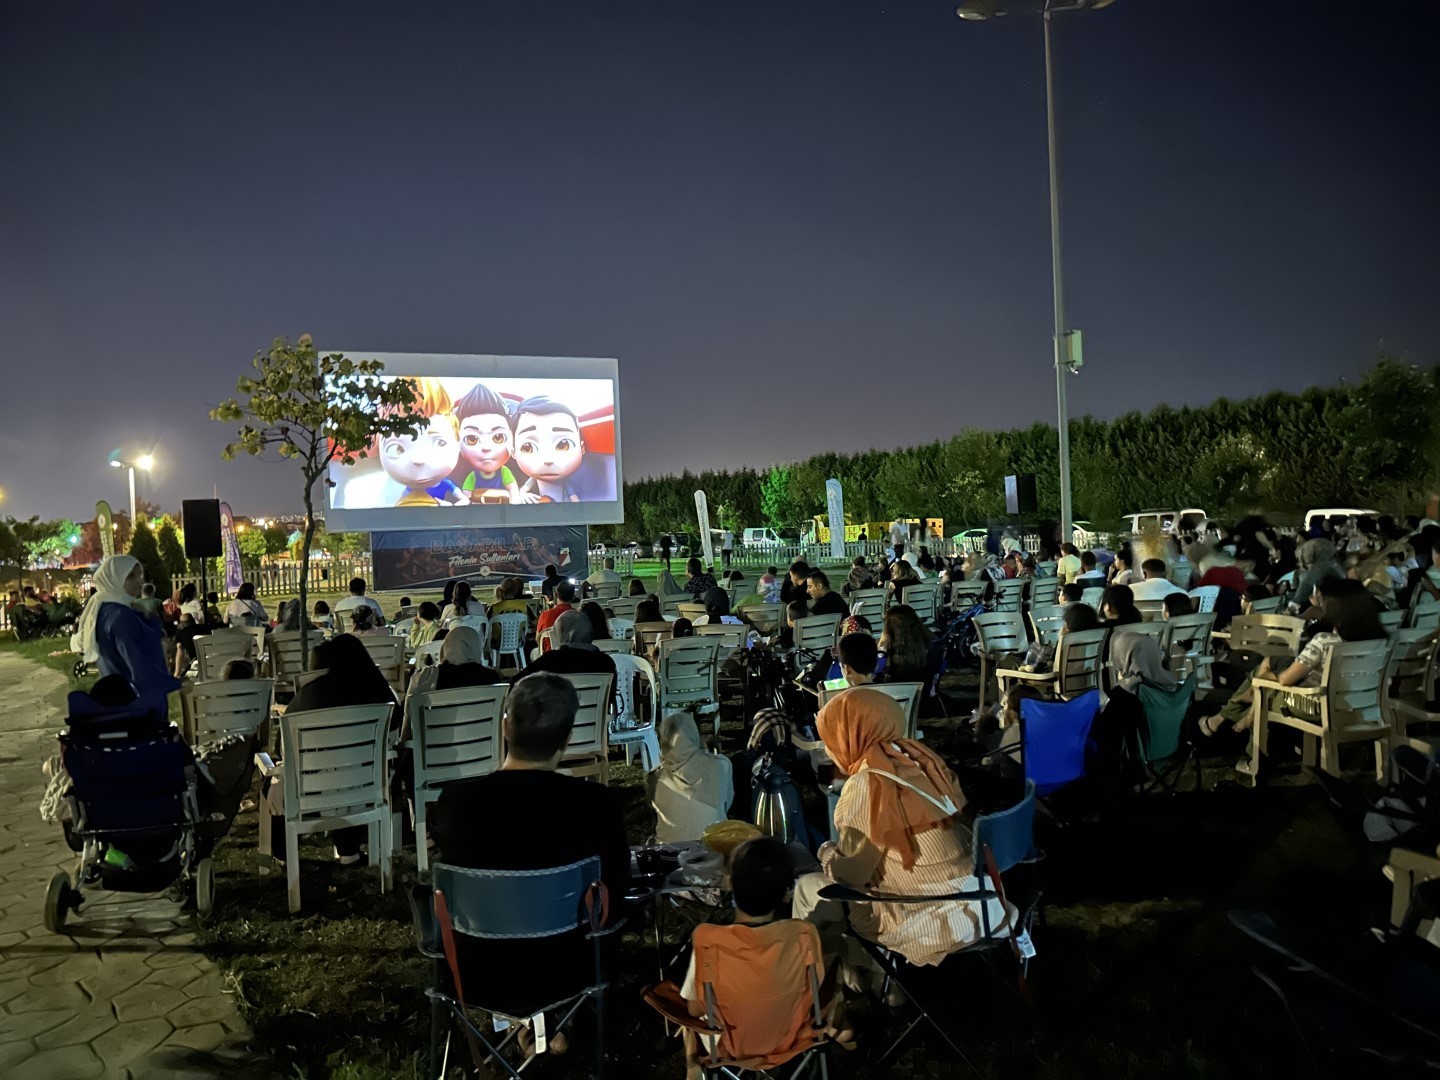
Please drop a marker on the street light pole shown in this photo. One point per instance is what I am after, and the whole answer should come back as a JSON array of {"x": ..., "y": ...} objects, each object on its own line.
[
  {"x": 131, "y": 470},
  {"x": 1065, "y": 361},
  {"x": 1057, "y": 273}
]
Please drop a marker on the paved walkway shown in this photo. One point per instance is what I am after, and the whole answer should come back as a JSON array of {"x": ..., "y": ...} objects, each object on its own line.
[{"x": 126, "y": 995}]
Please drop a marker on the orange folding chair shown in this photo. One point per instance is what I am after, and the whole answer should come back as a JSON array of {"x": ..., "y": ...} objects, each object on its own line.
[{"x": 764, "y": 1008}]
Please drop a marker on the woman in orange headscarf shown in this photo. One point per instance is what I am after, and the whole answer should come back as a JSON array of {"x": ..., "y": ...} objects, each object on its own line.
[{"x": 900, "y": 834}]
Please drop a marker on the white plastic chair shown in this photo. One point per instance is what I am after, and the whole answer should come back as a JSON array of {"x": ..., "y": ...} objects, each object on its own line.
[
  {"x": 906, "y": 693},
  {"x": 1191, "y": 647},
  {"x": 401, "y": 628},
  {"x": 214, "y": 710},
  {"x": 605, "y": 590},
  {"x": 870, "y": 605},
  {"x": 428, "y": 655},
  {"x": 1043, "y": 592},
  {"x": 1079, "y": 661},
  {"x": 389, "y": 656},
  {"x": 214, "y": 650},
  {"x": 456, "y": 735},
  {"x": 627, "y": 728},
  {"x": 613, "y": 645},
  {"x": 588, "y": 751},
  {"x": 287, "y": 659},
  {"x": 1010, "y": 593},
  {"x": 1410, "y": 674},
  {"x": 1205, "y": 597},
  {"x": 688, "y": 674},
  {"x": 513, "y": 625},
  {"x": 333, "y": 776},
  {"x": 1002, "y": 635},
  {"x": 1046, "y": 621},
  {"x": 815, "y": 634},
  {"x": 966, "y": 594},
  {"x": 923, "y": 599},
  {"x": 1093, "y": 598},
  {"x": 623, "y": 607},
  {"x": 670, "y": 604}
]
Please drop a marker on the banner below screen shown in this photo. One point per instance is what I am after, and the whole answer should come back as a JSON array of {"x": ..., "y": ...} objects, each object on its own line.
[{"x": 427, "y": 558}]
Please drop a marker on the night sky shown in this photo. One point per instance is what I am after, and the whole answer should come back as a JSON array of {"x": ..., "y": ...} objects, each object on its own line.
[{"x": 801, "y": 225}]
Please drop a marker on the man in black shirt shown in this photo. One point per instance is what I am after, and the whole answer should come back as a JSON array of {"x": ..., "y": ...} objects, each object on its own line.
[
  {"x": 573, "y": 653},
  {"x": 527, "y": 816},
  {"x": 552, "y": 579},
  {"x": 822, "y": 600}
]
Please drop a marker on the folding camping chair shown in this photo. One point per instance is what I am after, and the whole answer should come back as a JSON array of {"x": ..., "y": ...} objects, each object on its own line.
[
  {"x": 764, "y": 1010},
  {"x": 1053, "y": 737},
  {"x": 1165, "y": 747},
  {"x": 509, "y": 905}
]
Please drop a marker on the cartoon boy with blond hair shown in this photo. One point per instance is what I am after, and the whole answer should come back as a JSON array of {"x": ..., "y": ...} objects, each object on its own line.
[{"x": 423, "y": 460}]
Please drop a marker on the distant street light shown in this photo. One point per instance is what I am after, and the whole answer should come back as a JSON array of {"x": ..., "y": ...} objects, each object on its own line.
[
  {"x": 144, "y": 462},
  {"x": 1067, "y": 357}
]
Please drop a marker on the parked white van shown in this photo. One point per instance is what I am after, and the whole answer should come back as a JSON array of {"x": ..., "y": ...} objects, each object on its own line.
[
  {"x": 1168, "y": 521},
  {"x": 760, "y": 538},
  {"x": 1325, "y": 513}
]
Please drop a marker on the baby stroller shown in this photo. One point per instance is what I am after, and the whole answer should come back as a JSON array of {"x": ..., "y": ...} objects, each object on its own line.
[{"x": 132, "y": 802}]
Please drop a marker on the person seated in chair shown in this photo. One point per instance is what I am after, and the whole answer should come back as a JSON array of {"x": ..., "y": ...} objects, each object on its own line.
[
  {"x": 528, "y": 816},
  {"x": 691, "y": 790},
  {"x": 897, "y": 819},
  {"x": 760, "y": 880},
  {"x": 824, "y": 600},
  {"x": 574, "y": 652}
]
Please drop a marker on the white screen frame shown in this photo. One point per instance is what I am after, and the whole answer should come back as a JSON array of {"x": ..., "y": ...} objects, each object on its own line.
[{"x": 487, "y": 366}]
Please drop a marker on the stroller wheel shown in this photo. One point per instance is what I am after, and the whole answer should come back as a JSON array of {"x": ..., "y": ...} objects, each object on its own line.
[
  {"x": 58, "y": 901},
  {"x": 79, "y": 668},
  {"x": 204, "y": 886}
]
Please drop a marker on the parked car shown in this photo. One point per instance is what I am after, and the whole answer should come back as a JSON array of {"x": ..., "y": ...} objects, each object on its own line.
[
  {"x": 1167, "y": 521},
  {"x": 760, "y": 538},
  {"x": 682, "y": 545},
  {"x": 1328, "y": 512}
]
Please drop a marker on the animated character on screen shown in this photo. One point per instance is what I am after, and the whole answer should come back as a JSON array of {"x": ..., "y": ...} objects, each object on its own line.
[
  {"x": 549, "y": 449},
  {"x": 486, "y": 442},
  {"x": 423, "y": 460}
]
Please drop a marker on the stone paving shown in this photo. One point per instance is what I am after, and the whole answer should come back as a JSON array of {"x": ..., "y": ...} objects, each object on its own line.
[{"x": 123, "y": 994}]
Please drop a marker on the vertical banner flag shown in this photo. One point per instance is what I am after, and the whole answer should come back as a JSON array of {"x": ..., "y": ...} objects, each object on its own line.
[
  {"x": 233, "y": 577},
  {"x": 105, "y": 522},
  {"x": 702, "y": 511},
  {"x": 835, "y": 503}
]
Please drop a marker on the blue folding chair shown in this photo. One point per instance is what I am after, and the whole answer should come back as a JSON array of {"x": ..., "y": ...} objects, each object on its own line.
[
  {"x": 1163, "y": 750},
  {"x": 1053, "y": 738},
  {"x": 510, "y": 905},
  {"x": 1009, "y": 834}
]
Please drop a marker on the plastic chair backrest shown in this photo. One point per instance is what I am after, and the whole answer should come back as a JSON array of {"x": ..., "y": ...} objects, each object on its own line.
[
  {"x": 966, "y": 594},
  {"x": 400, "y": 628},
  {"x": 759, "y": 985},
  {"x": 627, "y": 670},
  {"x": 1010, "y": 833},
  {"x": 479, "y": 623},
  {"x": 869, "y": 603},
  {"x": 816, "y": 633},
  {"x": 1190, "y": 634},
  {"x": 1392, "y": 621},
  {"x": 1271, "y": 635},
  {"x": 623, "y": 607},
  {"x": 513, "y": 625},
  {"x": 457, "y": 734},
  {"x": 1205, "y": 597},
  {"x": 233, "y": 707},
  {"x": 687, "y": 670},
  {"x": 1046, "y": 621},
  {"x": 908, "y": 695},
  {"x": 429, "y": 653},
  {"x": 1407, "y": 671},
  {"x": 1093, "y": 597},
  {"x": 615, "y": 645},
  {"x": 1053, "y": 735},
  {"x": 1159, "y": 630},
  {"x": 335, "y": 761},
  {"x": 1010, "y": 593},
  {"x": 1353, "y": 679},
  {"x": 766, "y": 618},
  {"x": 592, "y": 720},
  {"x": 511, "y": 905},
  {"x": 1151, "y": 610},
  {"x": 1043, "y": 592},
  {"x": 1001, "y": 632},
  {"x": 605, "y": 590},
  {"x": 670, "y": 604},
  {"x": 691, "y": 611},
  {"x": 1079, "y": 659},
  {"x": 1267, "y": 605},
  {"x": 726, "y": 636},
  {"x": 1164, "y": 717},
  {"x": 649, "y": 634},
  {"x": 923, "y": 599},
  {"x": 1425, "y": 617},
  {"x": 389, "y": 656},
  {"x": 214, "y": 650}
]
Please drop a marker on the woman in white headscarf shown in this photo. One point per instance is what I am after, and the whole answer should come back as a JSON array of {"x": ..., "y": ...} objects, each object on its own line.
[
  {"x": 462, "y": 663},
  {"x": 119, "y": 638},
  {"x": 692, "y": 789}
]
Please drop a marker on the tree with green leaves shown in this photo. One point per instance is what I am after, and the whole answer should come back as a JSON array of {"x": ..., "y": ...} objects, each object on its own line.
[
  {"x": 252, "y": 546},
  {"x": 314, "y": 410},
  {"x": 171, "y": 553},
  {"x": 144, "y": 548}
]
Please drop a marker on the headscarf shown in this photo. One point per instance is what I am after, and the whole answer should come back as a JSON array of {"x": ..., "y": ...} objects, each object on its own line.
[
  {"x": 462, "y": 645},
  {"x": 1137, "y": 659},
  {"x": 687, "y": 766},
  {"x": 345, "y": 660},
  {"x": 862, "y": 727},
  {"x": 668, "y": 585},
  {"x": 109, "y": 589}
]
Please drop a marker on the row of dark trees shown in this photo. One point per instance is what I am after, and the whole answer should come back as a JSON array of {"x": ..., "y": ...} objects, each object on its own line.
[{"x": 1372, "y": 442}]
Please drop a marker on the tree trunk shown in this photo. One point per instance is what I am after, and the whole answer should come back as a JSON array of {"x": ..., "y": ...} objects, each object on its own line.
[{"x": 305, "y": 572}]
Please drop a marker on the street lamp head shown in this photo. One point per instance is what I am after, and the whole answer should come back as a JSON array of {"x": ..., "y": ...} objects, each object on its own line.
[
  {"x": 144, "y": 462},
  {"x": 976, "y": 10},
  {"x": 115, "y": 463}
]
